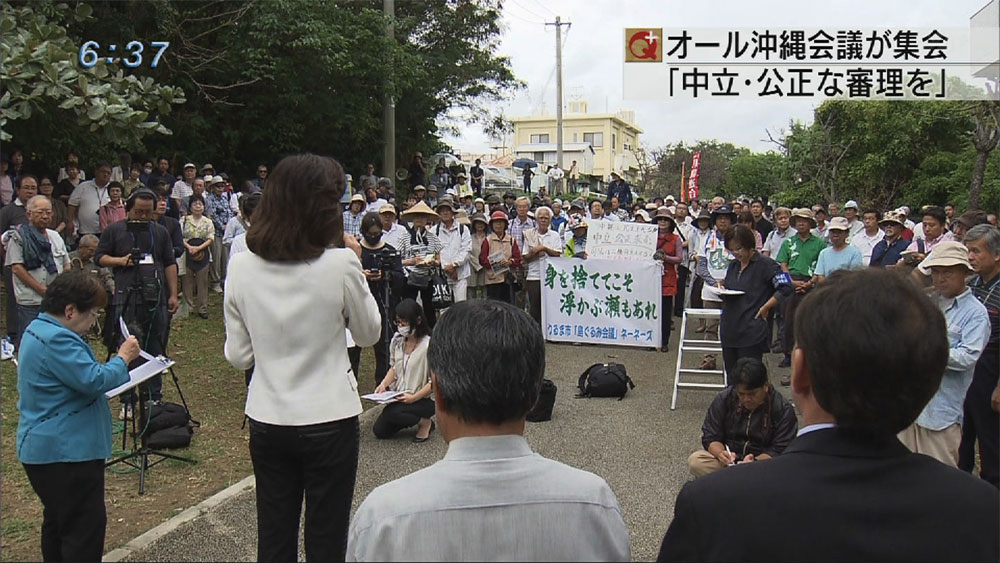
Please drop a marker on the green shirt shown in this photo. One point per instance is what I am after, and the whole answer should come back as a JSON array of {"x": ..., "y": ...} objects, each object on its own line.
[{"x": 799, "y": 255}]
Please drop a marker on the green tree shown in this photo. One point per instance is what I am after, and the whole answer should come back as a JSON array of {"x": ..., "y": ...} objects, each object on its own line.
[
  {"x": 714, "y": 167},
  {"x": 45, "y": 88},
  {"x": 755, "y": 175}
]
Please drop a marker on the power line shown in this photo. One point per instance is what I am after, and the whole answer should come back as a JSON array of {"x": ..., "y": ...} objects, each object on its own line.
[
  {"x": 544, "y": 7},
  {"x": 526, "y": 9}
]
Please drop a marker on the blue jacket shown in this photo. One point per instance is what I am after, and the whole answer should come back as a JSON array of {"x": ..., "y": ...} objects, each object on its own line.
[{"x": 64, "y": 415}]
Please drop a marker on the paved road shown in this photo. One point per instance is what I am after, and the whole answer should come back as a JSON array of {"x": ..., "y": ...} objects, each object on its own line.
[{"x": 638, "y": 445}]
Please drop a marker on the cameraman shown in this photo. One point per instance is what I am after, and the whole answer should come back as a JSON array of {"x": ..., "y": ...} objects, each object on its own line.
[
  {"x": 383, "y": 268},
  {"x": 141, "y": 256}
]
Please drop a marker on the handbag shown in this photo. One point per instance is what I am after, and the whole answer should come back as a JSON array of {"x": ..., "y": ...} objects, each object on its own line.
[
  {"x": 542, "y": 410},
  {"x": 444, "y": 296},
  {"x": 415, "y": 278}
]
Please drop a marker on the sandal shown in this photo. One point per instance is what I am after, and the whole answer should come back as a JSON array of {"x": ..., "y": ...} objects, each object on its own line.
[{"x": 708, "y": 362}]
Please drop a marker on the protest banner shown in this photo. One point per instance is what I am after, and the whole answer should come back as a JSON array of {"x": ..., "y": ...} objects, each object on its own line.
[
  {"x": 602, "y": 301},
  {"x": 615, "y": 240}
]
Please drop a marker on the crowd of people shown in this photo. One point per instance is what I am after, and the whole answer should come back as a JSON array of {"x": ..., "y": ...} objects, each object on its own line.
[{"x": 890, "y": 326}]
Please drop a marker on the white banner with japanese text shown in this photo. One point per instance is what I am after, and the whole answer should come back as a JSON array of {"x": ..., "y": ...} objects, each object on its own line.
[
  {"x": 602, "y": 301},
  {"x": 616, "y": 240}
]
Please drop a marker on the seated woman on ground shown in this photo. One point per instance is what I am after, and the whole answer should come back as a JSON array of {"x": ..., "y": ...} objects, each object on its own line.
[{"x": 409, "y": 374}]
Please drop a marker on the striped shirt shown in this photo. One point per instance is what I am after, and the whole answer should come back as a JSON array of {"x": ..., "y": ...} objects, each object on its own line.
[{"x": 420, "y": 242}]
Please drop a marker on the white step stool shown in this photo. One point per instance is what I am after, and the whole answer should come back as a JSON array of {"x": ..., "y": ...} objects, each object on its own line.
[{"x": 692, "y": 345}]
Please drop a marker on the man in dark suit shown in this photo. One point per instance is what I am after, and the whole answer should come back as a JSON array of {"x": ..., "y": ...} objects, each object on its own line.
[{"x": 870, "y": 352}]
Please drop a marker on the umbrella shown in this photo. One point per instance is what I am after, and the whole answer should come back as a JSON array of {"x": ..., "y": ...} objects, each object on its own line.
[{"x": 524, "y": 163}]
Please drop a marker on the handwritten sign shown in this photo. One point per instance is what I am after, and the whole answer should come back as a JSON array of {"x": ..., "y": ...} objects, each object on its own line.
[
  {"x": 615, "y": 240},
  {"x": 602, "y": 301}
]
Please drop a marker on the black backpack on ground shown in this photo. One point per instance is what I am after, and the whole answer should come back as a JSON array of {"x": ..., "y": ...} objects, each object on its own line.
[
  {"x": 605, "y": 380},
  {"x": 170, "y": 426},
  {"x": 542, "y": 410}
]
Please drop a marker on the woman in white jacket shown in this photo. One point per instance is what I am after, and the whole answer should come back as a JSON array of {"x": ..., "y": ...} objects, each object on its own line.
[{"x": 287, "y": 304}]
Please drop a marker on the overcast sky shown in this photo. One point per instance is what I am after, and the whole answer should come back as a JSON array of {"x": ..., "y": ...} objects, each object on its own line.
[{"x": 592, "y": 66}]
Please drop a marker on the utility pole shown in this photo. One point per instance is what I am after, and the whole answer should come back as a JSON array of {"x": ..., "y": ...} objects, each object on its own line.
[
  {"x": 389, "y": 103},
  {"x": 559, "y": 90}
]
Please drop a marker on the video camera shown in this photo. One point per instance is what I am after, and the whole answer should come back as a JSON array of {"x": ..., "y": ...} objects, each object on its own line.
[{"x": 385, "y": 259}]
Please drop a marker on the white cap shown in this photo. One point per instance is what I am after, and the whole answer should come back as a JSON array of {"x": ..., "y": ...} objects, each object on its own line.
[{"x": 851, "y": 204}]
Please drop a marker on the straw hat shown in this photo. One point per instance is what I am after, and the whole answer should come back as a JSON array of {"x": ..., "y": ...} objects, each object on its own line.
[{"x": 420, "y": 208}]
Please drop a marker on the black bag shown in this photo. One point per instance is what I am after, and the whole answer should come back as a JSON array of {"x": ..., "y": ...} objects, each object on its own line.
[
  {"x": 169, "y": 427},
  {"x": 443, "y": 296},
  {"x": 542, "y": 410},
  {"x": 605, "y": 380},
  {"x": 417, "y": 279},
  {"x": 170, "y": 438},
  {"x": 167, "y": 415}
]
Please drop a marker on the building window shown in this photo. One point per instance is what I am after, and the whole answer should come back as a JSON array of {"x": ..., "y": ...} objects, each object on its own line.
[
  {"x": 540, "y": 138},
  {"x": 614, "y": 142},
  {"x": 539, "y": 157},
  {"x": 595, "y": 139}
]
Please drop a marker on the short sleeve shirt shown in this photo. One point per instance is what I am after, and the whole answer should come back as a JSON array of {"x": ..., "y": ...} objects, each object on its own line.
[
  {"x": 830, "y": 260},
  {"x": 801, "y": 255},
  {"x": 24, "y": 294},
  {"x": 89, "y": 198}
]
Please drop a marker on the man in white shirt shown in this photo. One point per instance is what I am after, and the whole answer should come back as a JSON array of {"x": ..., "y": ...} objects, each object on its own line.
[
  {"x": 86, "y": 200},
  {"x": 855, "y": 225},
  {"x": 391, "y": 230},
  {"x": 182, "y": 189},
  {"x": 35, "y": 255},
  {"x": 539, "y": 244},
  {"x": 456, "y": 241},
  {"x": 491, "y": 497},
  {"x": 556, "y": 175},
  {"x": 866, "y": 240}
]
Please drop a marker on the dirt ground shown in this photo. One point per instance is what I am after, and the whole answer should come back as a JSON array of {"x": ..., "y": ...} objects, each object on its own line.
[{"x": 215, "y": 393}]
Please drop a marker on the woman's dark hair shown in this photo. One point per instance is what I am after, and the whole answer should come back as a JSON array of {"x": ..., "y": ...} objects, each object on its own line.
[
  {"x": 876, "y": 348},
  {"x": 488, "y": 358},
  {"x": 371, "y": 219},
  {"x": 250, "y": 203},
  {"x": 745, "y": 217},
  {"x": 195, "y": 197},
  {"x": 299, "y": 215},
  {"x": 742, "y": 235},
  {"x": 74, "y": 287},
  {"x": 749, "y": 372},
  {"x": 411, "y": 312},
  {"x": 115, "y": 184}
]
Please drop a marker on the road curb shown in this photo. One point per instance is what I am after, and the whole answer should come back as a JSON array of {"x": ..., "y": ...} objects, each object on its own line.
[{"x": 147, "y": 538}]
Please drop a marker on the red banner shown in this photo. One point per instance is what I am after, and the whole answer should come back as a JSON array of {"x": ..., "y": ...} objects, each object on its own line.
[{"x": 692, "y": 191}]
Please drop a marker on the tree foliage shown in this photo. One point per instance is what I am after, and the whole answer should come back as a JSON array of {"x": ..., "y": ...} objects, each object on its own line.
[
  {"x": 264, "y": 78},
  {"x": 45, "y": 89}
]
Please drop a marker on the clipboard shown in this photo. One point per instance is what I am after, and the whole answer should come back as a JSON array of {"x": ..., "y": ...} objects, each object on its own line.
[{"x": 153, "y": 366}]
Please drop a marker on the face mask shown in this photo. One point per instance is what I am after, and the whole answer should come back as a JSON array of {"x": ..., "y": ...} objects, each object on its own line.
[
  {"x": 372, "y": 240},
  {"x": 403, "y": 331},
  {"x": 148, "y": 170}
]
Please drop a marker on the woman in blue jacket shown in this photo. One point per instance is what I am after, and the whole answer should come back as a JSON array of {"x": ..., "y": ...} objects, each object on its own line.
[{"x": 64, "y": 433}]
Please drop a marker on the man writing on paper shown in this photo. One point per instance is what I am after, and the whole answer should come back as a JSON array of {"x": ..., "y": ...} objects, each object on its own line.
[{"x": 748, "y": 421}]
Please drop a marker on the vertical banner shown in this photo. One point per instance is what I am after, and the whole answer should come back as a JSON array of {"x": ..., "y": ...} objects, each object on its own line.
[
  {"x": 615, "y": 240},
  {"x": 693, "y": 181},
  {"x": 602, "y": 301}
]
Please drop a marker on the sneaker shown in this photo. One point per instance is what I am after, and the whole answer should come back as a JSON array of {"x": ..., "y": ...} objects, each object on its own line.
[
  {"x": 217, "y": 288},
  {"x": 785, "y": 362},
  {"x": 6, "y": 349},
  {"x": 786, "y": 381},
  {"x": 125, "y": 412}
]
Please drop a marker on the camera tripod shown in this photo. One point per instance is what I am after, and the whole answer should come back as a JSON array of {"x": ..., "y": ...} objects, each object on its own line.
[
  {"x": 139, "y": 457},
  {"x": 136, "y": 310}
]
